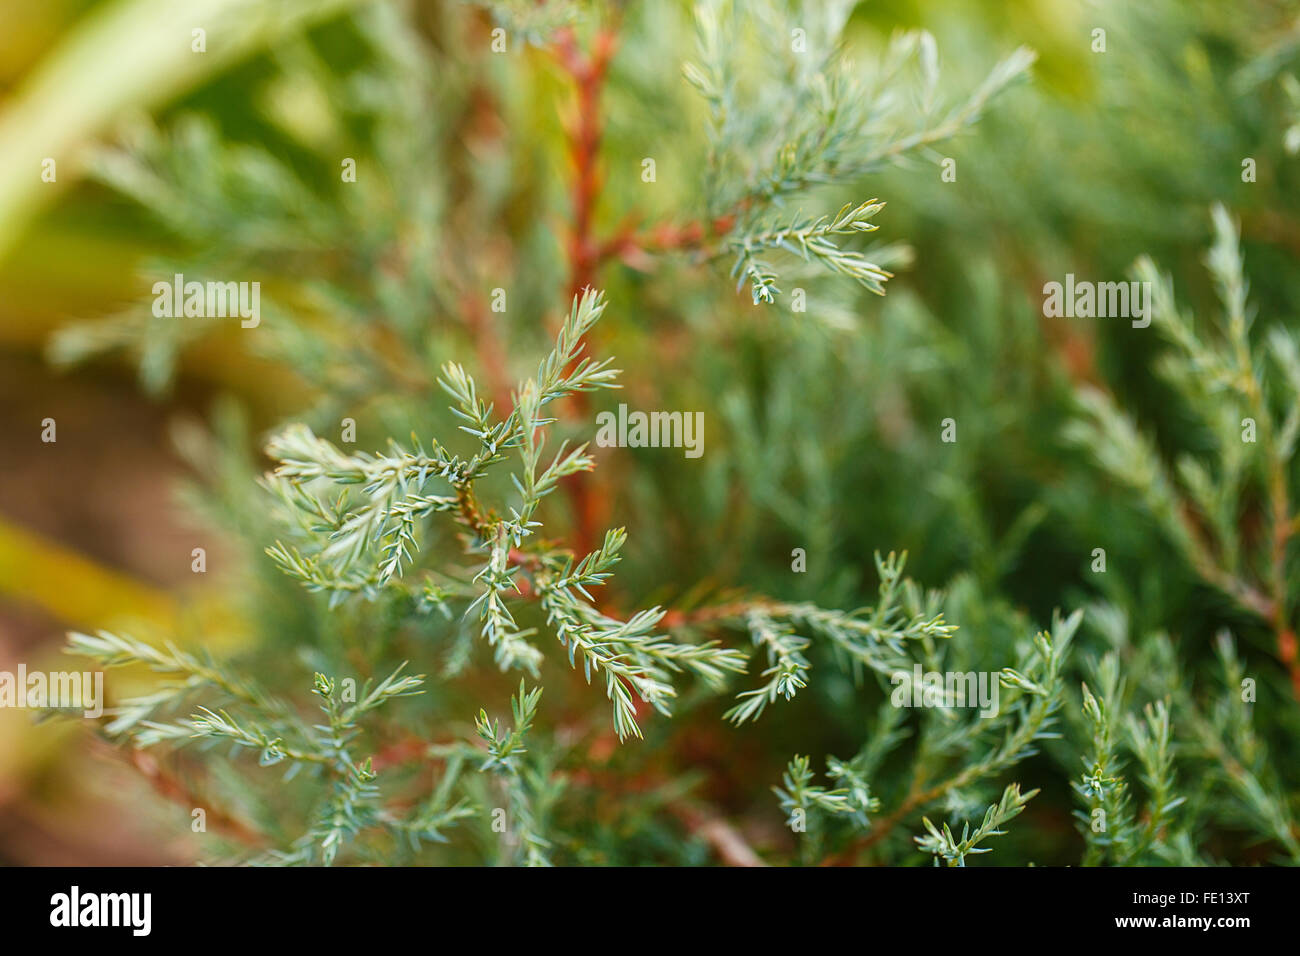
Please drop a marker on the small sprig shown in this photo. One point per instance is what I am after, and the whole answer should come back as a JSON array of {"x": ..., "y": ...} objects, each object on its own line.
[
  {"x": 1252, "y": 420},
  {"x": 1106, "y": 821},
  {"x": 808, "y": 119},
  {"x": 787, "y": 670},
  {"x": 800, "y": 794},
  {"x": 197, "y": 672},
  {"x": 1152, "y": 741},
  {"x": 812, "y": 241},
  {"x": 945, "y": 846},
  {"x": 505, "y": 749},
  {"x": 868, "y": 639}
]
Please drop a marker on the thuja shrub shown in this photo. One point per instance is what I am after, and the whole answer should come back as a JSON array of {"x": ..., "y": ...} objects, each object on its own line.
[{"x": 566, "y": 613}]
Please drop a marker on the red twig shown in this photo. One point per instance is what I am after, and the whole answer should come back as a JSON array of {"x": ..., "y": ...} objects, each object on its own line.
[
  {"x": 585, "y": 252},
  {"x": 173, "y": 789},
  {"x": 635, "y": 248},
  {"x": 584, "y": 130}
]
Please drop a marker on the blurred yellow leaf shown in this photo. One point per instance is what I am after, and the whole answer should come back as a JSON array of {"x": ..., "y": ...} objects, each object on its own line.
[{"x": 128, "y": 54}]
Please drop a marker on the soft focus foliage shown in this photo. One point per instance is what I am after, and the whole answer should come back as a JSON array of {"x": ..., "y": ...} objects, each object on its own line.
[{"x": 1099, "y": 539}]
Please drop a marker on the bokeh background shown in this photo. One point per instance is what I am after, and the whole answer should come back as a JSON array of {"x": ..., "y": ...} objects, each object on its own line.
[{"x": 823, "y": 436}]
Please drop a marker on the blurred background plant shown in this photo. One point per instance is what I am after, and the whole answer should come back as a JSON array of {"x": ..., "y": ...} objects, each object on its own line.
[{"x": 497, "y": 174}]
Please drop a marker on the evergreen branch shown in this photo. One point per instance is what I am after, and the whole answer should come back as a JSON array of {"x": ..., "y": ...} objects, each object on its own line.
[
  {"x": 1040, "y": 682},
  {"x": 1152, "y": 742},
  {"x": 801, "y": 794},
  {"x": 786, "y": 674},
  {"x": 271, "y": 748},
  {"x": 943, "y": 845},
  {"x": 113, "y": 650},
  {"x": 525, "y": 787},
  {"x": 1202, "y": 368},
  {"x": 504, "y": 750},
  {"x": 1230, "y": 742},
  {"x": 825, "y": 125},
  {"x": 811, "y": 240},
  {"x": 1108, "y": 823},
  {"x": 869, "y": 639}
]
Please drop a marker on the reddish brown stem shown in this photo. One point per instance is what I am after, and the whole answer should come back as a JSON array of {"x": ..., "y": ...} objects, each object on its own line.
[
  {"x": 173, "y": 789},
  {"x": 584, "y": 131},
  {"x": 635, "y": 248}
]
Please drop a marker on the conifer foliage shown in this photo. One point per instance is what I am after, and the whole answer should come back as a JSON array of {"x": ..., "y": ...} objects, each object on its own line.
[{"x": 491, "y": 639}]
